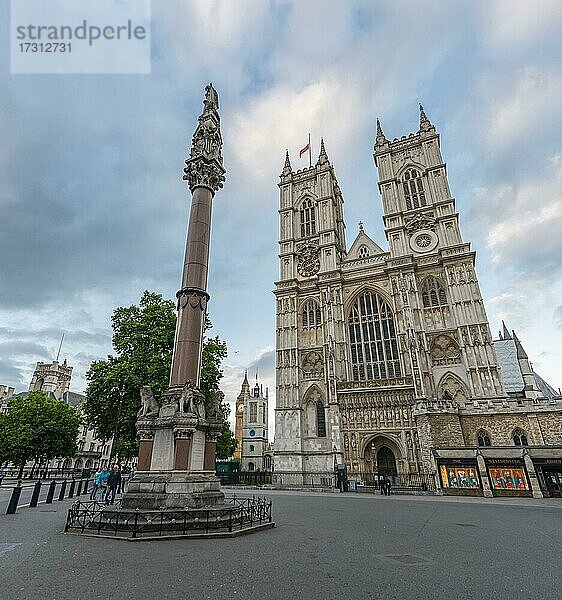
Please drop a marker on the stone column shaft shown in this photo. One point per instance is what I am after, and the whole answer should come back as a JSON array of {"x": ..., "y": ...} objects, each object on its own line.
[{"x": 192, "y": 298}]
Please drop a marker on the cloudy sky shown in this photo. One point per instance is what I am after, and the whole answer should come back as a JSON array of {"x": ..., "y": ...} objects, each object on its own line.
[{"x": 93, "y": 208}]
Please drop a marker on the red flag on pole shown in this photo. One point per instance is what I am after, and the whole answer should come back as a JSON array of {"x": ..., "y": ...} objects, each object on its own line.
[{"x": 305, "y": 149}]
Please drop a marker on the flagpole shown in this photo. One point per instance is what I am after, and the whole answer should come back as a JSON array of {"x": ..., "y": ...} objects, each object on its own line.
[{"x": 309, "y": 152}]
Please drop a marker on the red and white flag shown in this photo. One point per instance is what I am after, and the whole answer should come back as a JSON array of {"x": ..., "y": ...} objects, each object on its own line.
[{"x": 305, "y": 149}]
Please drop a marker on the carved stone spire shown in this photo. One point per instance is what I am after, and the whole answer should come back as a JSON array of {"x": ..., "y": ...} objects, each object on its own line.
[
  {"x": 204, "y": 167},
  {"x": 519, "y": 346},
  {"x": 425, "y": 123},
  {"x": 322, "y": 157},
  {"x": 287, "y": 169},
  {"x": 381, "y": 138},
  {"x": 506, "y": 334}
]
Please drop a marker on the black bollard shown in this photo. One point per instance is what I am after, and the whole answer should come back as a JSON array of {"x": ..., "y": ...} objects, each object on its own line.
[
  {"x": 51, "y": 492},
  {"x": 62, "y": 490},
  {"x": 13, "y": 505},
  {"x": 71, "y": 491},
  {"x": 35, "y": 496}
]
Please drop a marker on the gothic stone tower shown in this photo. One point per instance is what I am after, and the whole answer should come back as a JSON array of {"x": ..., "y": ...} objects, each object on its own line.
[
  {"x": 377, "y": 350},
  {"x": 51, "y": 377}
]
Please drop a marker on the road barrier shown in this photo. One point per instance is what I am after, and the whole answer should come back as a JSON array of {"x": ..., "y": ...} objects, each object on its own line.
[{"x": 73, "y": 490}]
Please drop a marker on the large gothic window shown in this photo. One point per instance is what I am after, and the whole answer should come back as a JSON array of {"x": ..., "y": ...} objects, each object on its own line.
[
  {"x": 413, "y": 189},
  {"x": 372, "y": 336},
  {"x": 311, "y": 315},
  {"x": 308, "y": 218},
  {"x": 433, "y": 293}
]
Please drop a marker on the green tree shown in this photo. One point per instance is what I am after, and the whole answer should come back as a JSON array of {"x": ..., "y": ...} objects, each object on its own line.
[
  {"x": 38, "y": 427},
  {"x": 143, "y": 340},
  {"x": 226, "y": 444}
]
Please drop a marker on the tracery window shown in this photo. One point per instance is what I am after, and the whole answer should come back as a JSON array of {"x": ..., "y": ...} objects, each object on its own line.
[
  {"x": 253, "y": 412},
  {"x": 320, "y": 419},
  {"x": 363, "y": 252},
  {"x": 483, "y": 438},
  {"x": 433, "y": 293},
  {"x": 520, "y": 438},
  {"x": 413, "y": 189},
  {"x": 308, "y": 218},
  {"x": 311, "y": 315},
  {"x": 372, "y": 336}
]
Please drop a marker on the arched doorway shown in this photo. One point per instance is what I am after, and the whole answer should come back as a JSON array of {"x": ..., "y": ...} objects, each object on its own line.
[{"x": 386, "y": 462}]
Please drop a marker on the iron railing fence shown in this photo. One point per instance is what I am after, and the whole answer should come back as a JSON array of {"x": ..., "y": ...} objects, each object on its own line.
[
  {"x": 323, "y": 479},
  {"x": 404, "y": 483},
  {"x": 245, "y": 478},
  {"x": 42, "y": 473},
  {"x": 236, "y": 515}
]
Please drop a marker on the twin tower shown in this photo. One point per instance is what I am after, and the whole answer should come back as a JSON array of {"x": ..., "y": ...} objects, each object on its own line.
[{"x": 373, "y": 344}]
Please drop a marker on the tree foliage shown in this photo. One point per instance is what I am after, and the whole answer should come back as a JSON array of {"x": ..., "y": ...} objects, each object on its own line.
[
  {"x": 143, "y": 340},
  {"x": 38, "y": 427}
]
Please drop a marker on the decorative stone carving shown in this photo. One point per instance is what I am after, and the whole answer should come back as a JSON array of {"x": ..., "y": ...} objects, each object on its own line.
[
  {"x": 308, "y": 259},
  {"x": 313, "y": 365},
  {"x": 214, "y": 411},
  {"x": 452, "y": 391},
  {"x": 194, "y": 296},
  {"x": 204, "y": 167},
  {"x": 149, "y": 407},
  {"x": 192, "y": 400},
  {"x": 445, "y": 351},
  {"x": 420, "y": 221}
]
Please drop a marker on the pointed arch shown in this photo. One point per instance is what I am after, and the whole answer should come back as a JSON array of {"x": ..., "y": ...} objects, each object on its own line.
[
  {"x": 311, "y": 314},
  {"x": 433, "y": 292},
  {"x": 483, "y": 438},
  {"x": 315, "y": 412},
  {"x": 520, "y": 437},
  {"x": 413, "y": 188},
  {"x": 452, "y": 389},
  {"x": 308, "y": 217},
  {"x": 372, "y": 338}
]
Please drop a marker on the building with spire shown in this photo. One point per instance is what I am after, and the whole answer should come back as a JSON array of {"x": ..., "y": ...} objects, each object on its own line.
[
  {"x": 251, "y": 429},
  {"x": 385, "y": 361}
]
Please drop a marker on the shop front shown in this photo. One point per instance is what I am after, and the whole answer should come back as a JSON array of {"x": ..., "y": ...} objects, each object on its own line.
[
  {"x": 459, "y": 477},
  {"x": 508, "y": 477},
  {"x": 549, "y": 472}
]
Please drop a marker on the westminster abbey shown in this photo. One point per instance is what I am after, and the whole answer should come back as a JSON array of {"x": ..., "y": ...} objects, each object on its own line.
[{"x": 385, "y": 360}]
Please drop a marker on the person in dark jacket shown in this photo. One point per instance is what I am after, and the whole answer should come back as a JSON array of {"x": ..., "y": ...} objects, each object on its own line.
[
  {"x": 387, "y": 485},
  {"x": 382, "y": 485},
  {"x": 113, "y": 482}
]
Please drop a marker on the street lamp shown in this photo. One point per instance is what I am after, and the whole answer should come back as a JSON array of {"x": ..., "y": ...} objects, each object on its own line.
[{"x": 120, "y": 391}]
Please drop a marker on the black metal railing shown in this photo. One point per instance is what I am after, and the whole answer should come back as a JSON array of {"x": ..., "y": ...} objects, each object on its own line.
[
  {"x": 235, "y": 515},
  {"x": 404, "y": 483},
  {"x": 44, "y": 492},
  {"x": 323, "y": 479},
  {"x": 245, "y": 478},
  {"x": 43, "y": 473}
]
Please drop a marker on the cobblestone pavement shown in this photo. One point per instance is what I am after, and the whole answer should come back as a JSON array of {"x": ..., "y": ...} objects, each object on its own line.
[{"x": 324, "y": 546}]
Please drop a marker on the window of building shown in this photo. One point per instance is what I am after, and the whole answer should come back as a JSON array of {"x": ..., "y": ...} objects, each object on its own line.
[
  {"x": 413, "y": 189},
  {"x": 320, "y": 419},
  {"x": 372, "y": 336},
  {"x": 251, "y": 466},
  {"x": 483, "y": 438},
  {"x": 311, "y": 314},
  {"x": 308, "y": 218},
  {"x": 363, "y": 252},
  {"x": 433, "y": 293},
  {"x": 251, "y": 447},
  {"x": 92, "y": 446},
  {"x": 253, "y": 412},
  {"x": 520, "y": 438}
]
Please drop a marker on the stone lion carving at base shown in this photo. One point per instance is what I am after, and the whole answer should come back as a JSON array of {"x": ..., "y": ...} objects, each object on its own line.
[
  {"x": 192, "y": 400},
  {"x": 149, "y": 406}
]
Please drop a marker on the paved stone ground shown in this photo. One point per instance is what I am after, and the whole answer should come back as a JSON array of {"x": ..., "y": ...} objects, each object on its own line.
[{"x": 326, "y": 546}]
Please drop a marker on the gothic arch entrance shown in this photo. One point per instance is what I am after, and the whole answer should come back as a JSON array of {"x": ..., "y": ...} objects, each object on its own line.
[{"x": 386, "y": 462}]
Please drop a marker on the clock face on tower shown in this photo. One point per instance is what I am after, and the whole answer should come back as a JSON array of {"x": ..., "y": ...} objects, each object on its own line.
[{"x": 308, "y": 266}]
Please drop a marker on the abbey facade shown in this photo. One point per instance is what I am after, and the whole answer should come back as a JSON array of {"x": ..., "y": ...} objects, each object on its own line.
[{"x": 384, "y": 358}]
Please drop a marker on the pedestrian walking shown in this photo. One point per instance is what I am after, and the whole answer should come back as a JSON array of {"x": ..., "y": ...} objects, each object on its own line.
[
  {"x": 96, "y": 486},
  {"x": 104, "y": 476},
  {"x": 113, "y": 482},
  {"x": 387, "y": 485},
  {"x": 382, "y": 484}
]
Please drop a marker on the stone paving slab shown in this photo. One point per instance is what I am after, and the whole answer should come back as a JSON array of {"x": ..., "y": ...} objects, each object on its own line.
[{"x": 324, "y": 546}]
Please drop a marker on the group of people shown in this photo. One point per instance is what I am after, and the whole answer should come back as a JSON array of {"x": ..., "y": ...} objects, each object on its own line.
[
  {"x": 384, "y": 484},
  {"x": 107, "y": 483}
]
